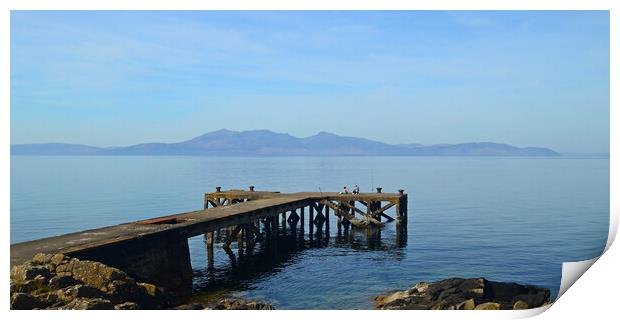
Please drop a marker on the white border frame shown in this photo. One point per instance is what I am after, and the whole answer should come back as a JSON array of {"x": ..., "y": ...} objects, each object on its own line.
[{"x": 601, "y": 293}]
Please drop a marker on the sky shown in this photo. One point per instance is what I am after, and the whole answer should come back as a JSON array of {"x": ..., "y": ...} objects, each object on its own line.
[{"x": 115, "y": 78}]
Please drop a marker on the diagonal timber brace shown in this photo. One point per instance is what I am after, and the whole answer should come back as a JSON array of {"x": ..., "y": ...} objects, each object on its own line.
[
  {"x": 344, "y": 214},
  {"x": 367, "y": 217}
]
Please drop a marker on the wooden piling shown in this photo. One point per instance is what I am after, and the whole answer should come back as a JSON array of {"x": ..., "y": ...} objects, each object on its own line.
[
  {"x": 209, "y": 242},
  {"x": 327, "y": 221},
  {"x": 302, "y": 219},
  {"x": 311, "y": 221},
  {"x": 274, "y": 226},
  {"x": 283, "y": 221}
]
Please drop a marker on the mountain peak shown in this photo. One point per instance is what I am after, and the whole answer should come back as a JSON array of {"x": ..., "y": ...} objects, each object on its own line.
[{"x": 326, "y": 134}]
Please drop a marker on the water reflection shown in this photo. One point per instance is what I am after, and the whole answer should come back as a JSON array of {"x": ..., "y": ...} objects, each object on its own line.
[{"x": 237, "y": 267}]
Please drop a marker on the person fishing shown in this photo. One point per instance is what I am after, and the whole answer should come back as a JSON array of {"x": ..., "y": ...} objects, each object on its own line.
[
  {"x": 356, "y": 189},
  {"x": 345, "y": 190}
]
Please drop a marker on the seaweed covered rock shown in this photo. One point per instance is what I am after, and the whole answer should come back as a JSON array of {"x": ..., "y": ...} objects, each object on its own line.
[
  {"x": 465, "y": 294},
  {"x": 60, "y": 282},
  {"x": 91, "y": 273}
]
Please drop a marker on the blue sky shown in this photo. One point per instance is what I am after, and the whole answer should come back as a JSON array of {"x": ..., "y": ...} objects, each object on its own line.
[{"x": 120, "y": 78}]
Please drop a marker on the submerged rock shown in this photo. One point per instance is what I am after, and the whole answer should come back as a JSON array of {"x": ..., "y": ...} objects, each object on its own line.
[{"x": 465, "y": 294}]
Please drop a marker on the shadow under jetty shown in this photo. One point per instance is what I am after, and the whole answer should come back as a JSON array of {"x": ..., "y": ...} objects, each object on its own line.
[{"x": 239, "y": 263}]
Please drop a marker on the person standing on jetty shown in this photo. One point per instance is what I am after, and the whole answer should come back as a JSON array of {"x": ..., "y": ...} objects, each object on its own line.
[
  {"x": 356, "y": 189},
  {"x": 345, "y": 190}
]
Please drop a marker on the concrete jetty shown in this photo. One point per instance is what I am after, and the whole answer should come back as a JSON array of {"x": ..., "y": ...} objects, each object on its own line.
[{"x": 157, "y": 249}]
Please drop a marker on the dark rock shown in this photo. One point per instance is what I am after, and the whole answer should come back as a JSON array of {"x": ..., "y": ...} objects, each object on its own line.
[
  {"x": 127, "y": 290},
  {"x": 25, "y": 301},
  {"x": 468, "y": 304},
  {"x": 520, "y": 305},
  {"x": 464, "y": 294},
  {"x": 127, "y": 306},
  {"x": 62, "y": 281},
  {"x": 59, "y": 259},
  {"x": 42, "y": 258},
  {"x": 92, "y": 273},
  {"x": 534, "y": 298},
  {"x": 489, "y": 306},
  {"x": 157, "y": 297},
  {"x": 79, "y": 291},
  {"x": 241, "y": 304},
  {"x": 190, "y": 306},
  {"x": 50, "y": 298},
  {"x": 88, "y": 304},
  {"x": 29, "y": 271},
  {"x": 59, "y": 282}
]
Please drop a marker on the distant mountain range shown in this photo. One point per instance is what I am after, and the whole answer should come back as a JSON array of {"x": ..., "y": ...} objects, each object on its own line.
[{"x": 268, "y": 143}]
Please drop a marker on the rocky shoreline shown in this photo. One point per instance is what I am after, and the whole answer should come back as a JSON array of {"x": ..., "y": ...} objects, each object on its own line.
[
  {"x": 465, "y": 294},
  {"x": 63, "y": 283},
  {"x": 60, "y": 282}
]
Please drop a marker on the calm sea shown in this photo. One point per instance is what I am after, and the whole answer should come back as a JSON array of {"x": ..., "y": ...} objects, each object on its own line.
[{"x": 507, "y": 219}]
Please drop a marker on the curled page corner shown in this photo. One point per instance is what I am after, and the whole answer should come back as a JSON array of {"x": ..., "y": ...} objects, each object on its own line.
[{"x": 571, "y": 271}]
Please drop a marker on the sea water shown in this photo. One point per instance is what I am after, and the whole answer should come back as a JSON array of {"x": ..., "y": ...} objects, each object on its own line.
[{"x": 504, "y": 218}]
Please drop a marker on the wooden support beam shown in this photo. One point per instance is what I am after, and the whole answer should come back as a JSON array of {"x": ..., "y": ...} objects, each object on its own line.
[
  {"x": 311, "y": 220},
  {"x": 387, "y": 206},
  {"x": 240, "y": 234},
  {"x": 319, "y": 220},
  {"x": 232, "y": 236},
  {"x": 302, "y": 215},
  {"x": 293, "y": 219},
  {"x": 257, "y": 233},
  {"x": 209, "y": 242},
  {"x": 367, "y": 217},
  {"x": 386, "y": 216},
  {"x": 352, "y": 207},
  {"x": 339, "y": 223},
  {"x": 274, "y": 226},
  {"x": 344, "y": 214},
  {"x": 283, "y": 223},
  {"x": 327, "y": 221}
]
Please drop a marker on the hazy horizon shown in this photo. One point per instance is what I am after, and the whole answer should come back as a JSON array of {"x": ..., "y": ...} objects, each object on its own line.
[
  {"x": 118, "y": 78},
  {"x": 301, "y": 137}
]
